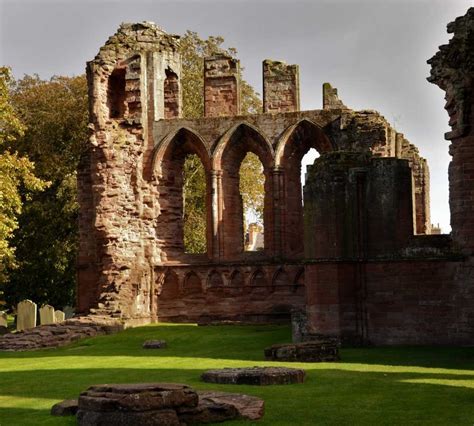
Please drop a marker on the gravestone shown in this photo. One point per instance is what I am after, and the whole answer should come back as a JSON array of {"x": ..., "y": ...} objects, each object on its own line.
[
  {"x": 3, "y": 319},
  {"x": 46, "y": 315},
  {"x": 68, "y": 311},
  {"x": 26, "y": 315},
  {"x": 59, "y": 316}
]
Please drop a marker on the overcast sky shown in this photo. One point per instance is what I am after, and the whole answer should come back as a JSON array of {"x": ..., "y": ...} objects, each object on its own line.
[{"x": 374, "y": 52}]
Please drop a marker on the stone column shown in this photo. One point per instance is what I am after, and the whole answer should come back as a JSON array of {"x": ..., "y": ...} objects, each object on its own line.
[
  {"x": 221, "y": 86},
  {"x": 278, "y": 190},
  {"x": 281, "y": 87}
]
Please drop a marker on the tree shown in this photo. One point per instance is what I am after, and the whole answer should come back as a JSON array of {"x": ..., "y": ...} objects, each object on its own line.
[
  {"x": 55, "y": 113},
  {"x": 193, "y": 51},
  {"x": 16, "y": 176}
]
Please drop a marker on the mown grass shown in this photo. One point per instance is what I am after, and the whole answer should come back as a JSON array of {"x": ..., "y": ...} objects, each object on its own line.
[{"x": 371, "y": 386}]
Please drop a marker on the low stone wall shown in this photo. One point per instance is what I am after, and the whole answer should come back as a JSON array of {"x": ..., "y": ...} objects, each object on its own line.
[{"x": 56, "y": 335}]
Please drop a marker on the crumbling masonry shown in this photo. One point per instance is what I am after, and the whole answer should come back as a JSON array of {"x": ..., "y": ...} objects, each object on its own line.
[{"x": 359, "y": 259}]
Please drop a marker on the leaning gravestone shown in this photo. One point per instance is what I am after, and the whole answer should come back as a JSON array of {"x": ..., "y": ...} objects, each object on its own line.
[
  {"x": 3, "y": 319},
  {"x": 59, "y": 316},
  {"x": 26, "y": 315},
  {"x": 46, "y": 315}
]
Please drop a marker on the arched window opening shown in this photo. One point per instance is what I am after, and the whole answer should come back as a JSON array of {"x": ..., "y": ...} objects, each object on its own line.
[
  {"x": 252, "y": 191},
  {"x": 300, "y": 147},
  {"x": 184, "y": 188},
  {"x": 240, "y": 184},
  {"x": 194, "y": 205},
  {"x": 171, "y": 94},
  {"x": 116, "y": 93},
  {"x": 307, "y": 160}
]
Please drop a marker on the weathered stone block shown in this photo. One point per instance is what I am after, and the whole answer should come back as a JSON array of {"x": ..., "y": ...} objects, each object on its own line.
[
  {"x": 255, "y": 376},
  {"x": 68, "y": 407}
]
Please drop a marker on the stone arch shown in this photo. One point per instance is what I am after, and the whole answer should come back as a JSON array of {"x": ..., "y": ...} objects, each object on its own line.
[
  {"x": 264, "y": 151},
  {"x": 295, "y": 142},
  {"x": 237, "y": 279},
  {"x": 193, "y": 142},
  {"x": 168, "y": 164},
  {"x": 298, "y": 282},
  {"x": 258, "y": 279},
  {"x": 281, "y": 280},
  {"x": 170, "y": 288},
  {"x": 227, "y": 159},
  {"x": 214, "y": 279},
  {"x": 192, "y": 283},
  {"x": 305, "y": 134}
]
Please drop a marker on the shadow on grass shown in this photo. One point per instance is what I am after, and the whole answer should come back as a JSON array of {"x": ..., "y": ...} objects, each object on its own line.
[{"x": 327, "y": 397}]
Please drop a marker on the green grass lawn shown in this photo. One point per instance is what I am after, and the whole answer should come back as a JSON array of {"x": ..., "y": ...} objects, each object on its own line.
[{"x": 371, "y": 386}]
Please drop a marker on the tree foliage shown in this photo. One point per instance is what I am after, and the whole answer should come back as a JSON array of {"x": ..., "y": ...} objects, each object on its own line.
[
  {"x": 55, "y": 113},
  {"x": 17, "y": 178}
]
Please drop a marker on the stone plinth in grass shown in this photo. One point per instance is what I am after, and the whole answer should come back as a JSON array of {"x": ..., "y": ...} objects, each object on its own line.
[{"x": 255, "y": 376}]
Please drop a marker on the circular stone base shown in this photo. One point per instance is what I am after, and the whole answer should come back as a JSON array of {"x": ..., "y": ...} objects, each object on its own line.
[{"x": 255, "y": 376}]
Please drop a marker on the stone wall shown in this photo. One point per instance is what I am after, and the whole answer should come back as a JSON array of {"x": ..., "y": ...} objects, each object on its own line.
[{"x": 359, "y": 242}]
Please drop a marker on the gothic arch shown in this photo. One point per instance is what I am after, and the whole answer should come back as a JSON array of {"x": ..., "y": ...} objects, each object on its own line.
[
  {"x": 227, "y": 159},
  {"x": 192, "y": 283},
  {"x": 214, "y": 279},
  {"x": 189, "y": 140},
  {"x": 295, "y": 142},
  {"x": 261, "y": 146},
  {"x": 237, "y": 279},
  {"x": 298, "y": 282},
  {"x": 306, "y": 134},
  {"x": 170, "y": 287},
  {"x": 168, "y": 165},
  {"x": 258, "y": 279},
  {"x": 280, "y": 280}
]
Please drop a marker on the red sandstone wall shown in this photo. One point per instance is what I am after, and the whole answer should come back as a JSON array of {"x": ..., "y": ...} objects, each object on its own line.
[{"x": 391, "y": 302}]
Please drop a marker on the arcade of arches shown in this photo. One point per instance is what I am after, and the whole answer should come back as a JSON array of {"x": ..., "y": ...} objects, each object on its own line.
[{"x": 360, "y": 259}]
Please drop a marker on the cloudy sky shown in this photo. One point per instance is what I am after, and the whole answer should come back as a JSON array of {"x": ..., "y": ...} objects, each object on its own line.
[{"x": 373, "y": 51}]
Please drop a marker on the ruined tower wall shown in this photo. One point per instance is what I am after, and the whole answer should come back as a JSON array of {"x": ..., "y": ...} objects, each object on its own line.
[{"x": 118, "y": 212}]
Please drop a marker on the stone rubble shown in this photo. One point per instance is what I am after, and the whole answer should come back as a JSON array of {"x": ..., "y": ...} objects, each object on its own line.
[
  {"x": 56, "y": 335},
  {"x": 157, "y": 404}
]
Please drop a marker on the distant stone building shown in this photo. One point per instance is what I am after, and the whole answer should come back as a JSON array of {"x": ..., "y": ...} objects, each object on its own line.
[{"x": 359, "y": 258}]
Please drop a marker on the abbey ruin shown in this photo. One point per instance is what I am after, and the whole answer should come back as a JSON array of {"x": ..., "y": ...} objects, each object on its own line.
[{"x": 357, "y": 256}]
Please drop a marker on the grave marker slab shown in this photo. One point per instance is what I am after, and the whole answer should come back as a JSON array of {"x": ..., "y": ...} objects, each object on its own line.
[
  {"x": 59, "y": 316},
  {"x": 26, "y": 315},
  {"x": 3, "y": 319},
  {"x": 47, "y": 315}
]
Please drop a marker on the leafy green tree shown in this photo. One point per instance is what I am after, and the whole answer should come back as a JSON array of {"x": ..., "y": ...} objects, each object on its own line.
[
  {"x": 16, "y": 177},
  {"x": 55, "y": 113}
]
